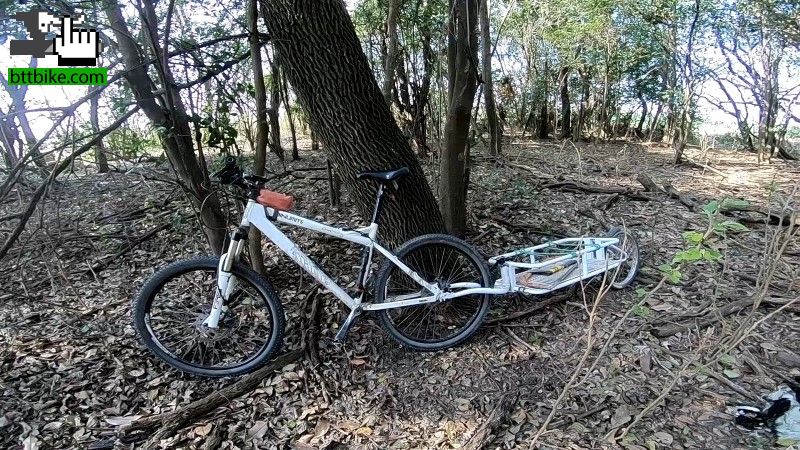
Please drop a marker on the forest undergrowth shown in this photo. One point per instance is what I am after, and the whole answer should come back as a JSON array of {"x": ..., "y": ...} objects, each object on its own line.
[{"x": 710, "y": 323}]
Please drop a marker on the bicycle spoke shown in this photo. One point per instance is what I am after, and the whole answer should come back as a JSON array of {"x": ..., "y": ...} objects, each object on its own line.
[{"x": 181, "y": 305}]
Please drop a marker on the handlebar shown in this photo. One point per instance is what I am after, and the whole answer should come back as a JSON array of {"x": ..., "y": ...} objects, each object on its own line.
[{"x": 232, "y": 174}]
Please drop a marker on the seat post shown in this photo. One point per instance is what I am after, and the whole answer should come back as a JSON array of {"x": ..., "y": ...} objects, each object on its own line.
[{"x": 378, "y": 203}]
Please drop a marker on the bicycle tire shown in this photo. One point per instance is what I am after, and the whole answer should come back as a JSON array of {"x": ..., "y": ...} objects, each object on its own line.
[
  {"x": 631, "y": 246},
  {"x": 388, "y": 269},
  {"x": 143, "y": 303}
]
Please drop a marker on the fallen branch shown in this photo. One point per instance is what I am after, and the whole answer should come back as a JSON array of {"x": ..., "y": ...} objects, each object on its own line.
[
  {"x": 576, "y": 186},
  {"x": 310, "y": 336},
  {"x": 538, "y": 306},
  {"x": 712, "y": 317},
  {"x": 101, "y": 265},
  {"x": 164, "y": 425},
  {"x": 485, "y": 433},
  {"x": 705, "y": 167},
  {"x": 728, "y": 209},
  {"x": 648, "y": 183}
]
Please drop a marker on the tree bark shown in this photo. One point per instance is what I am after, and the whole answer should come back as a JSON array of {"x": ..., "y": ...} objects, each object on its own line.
[
  {"x": 454, "y": 160},
  {"x": 262, "y": 129},
  {"x": 166, "y": 112},
  {"x": 274, "y": 107},
  {"x": 391, "y": 50},
  {"x": 642, "y": 118},
  {"x": 566, "y": 112},
  {"x": 577, "y": 133},
  {"x": 100, "y": 148},
  {"x": 288, "y": 108},
  {"x": 495, "y": 132},
  {"x": 346, "y": 110},
  {"x": 18, "y": 107}
]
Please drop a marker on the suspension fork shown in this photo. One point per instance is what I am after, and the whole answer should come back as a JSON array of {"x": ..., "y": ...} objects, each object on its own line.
[{"x": 226, "y": 284}]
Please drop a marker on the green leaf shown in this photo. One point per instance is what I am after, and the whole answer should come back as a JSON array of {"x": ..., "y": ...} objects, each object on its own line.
[
  {"x": 642, "y": 311},
  {"x": 711, "y": 207},
  {"x": 641, "y": 292},
  {"x": 711, "y": 255},
  {"x": 733, "y": 203},
  {"x": 732, "y": 373},
  {"x": 689, "y": 255},
  {"x": 693, "y": 237},
  {"x": 786, "y": 442},
  {"x": 674, "y": 277},
  {"x": 731, "y": 225},
  {"x": 727, "y": 360},
  {"x": 666, "y": 268}
]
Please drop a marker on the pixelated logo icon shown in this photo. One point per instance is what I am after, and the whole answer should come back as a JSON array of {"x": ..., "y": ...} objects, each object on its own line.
[{"x": 74, "y": 45}]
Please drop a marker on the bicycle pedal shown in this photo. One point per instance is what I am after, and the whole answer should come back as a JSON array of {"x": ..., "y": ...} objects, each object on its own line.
[{"x": 341, "y": 335}]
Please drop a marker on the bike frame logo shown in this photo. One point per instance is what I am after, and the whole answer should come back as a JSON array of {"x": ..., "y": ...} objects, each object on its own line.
[{"x": 75, "y": 45}]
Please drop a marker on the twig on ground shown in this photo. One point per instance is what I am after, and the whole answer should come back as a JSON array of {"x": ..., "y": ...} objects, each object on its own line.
[
  {"x": 164, "y": 425},
  {"x": 487, "y": 431}
]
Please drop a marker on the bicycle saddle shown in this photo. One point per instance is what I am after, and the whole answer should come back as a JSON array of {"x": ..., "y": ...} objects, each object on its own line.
[{"x": 385, "y": 176}]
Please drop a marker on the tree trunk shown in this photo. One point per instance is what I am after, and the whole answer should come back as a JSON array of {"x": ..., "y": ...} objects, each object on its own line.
[
  {"x": 566, "y": 112},
  {"x": 642, "y": 118},
  {"x": 354, "y": 124},
  {"x": 262, "y": 129},
  {"x": 578, "y": 132},
  {"x": 453, "y": 169},
  {"x": 9, "y": 136},
  {"x": 654, "y": 121},
  {"x": 391, "y": 50},
  {"x": 18, "y": 94},
  {"x": 274, "y": 107},
  {"x": 495, "y": 132},
  {"x": 290, "y": 118},
  {"x": 166, "y": 111},
  {"x": 99, "y": 149}
]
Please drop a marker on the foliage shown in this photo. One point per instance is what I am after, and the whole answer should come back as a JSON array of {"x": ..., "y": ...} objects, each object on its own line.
[{"x": 705, "y": 246}]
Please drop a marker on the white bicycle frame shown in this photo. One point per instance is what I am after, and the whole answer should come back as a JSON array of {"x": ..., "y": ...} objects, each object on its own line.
[{"x": 263, "y": 218}]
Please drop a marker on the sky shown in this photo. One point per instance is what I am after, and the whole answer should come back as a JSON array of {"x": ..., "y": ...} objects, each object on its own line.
[{"x": 714, "y": 121}]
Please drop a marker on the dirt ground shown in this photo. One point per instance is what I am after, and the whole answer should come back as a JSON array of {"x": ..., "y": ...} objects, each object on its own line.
[{"x": 72, "y": 371}]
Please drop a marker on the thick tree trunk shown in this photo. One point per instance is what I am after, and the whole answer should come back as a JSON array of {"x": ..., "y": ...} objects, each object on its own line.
[
  {"x": 391, "y": 50},
  {"x": 495, "y": 132},
  {"x": 167, "y": 112},
  {"x": 544, "y": 122},
  {"x": 274, "y": 107},
  {"x": 262, "y": 129},
  {"x": 353, "y": 123},
  {"x": 566, "y": 112},
  {"x": 99, "y": 149},
  {"x": 454, "y": 160}
]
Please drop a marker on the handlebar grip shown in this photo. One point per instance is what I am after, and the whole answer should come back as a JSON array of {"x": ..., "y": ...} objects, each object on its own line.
[{"x": 230, "y": 166}]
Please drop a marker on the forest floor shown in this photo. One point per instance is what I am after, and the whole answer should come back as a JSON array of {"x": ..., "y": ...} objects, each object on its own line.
[{"x": 72, "y": 371}]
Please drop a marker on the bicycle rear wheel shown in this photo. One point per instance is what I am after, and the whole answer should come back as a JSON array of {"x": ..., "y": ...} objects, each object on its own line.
[
  {"x": 438, "y": 259},
  {"x": 624, "y": 275},
  {"x": 171, "y": 307}
]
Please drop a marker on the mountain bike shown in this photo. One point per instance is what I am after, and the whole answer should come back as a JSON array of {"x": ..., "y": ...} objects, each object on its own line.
[{"x": 215, "y": 316}]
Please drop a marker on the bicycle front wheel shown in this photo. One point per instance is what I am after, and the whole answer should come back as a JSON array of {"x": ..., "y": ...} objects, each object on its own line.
[
  {"x": 170, "y": 311},
  {"x": 440, "y": 260}
]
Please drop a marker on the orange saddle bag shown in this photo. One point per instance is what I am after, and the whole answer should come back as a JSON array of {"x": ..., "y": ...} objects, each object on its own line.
[{"x": 276, "y": 200}]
